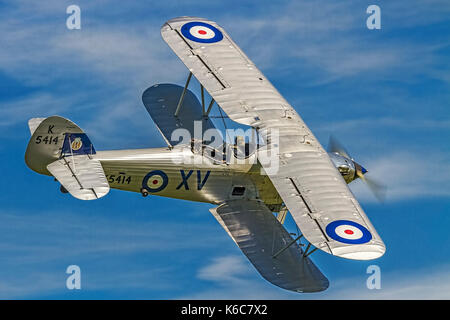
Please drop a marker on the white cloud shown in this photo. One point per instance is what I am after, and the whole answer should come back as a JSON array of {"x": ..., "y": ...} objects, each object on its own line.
[
  {"x": 119, "y": 59},
  {"x": 229, "y": 280},
  {"x": 407, "y": 175},
  {"x": 39, "y": 50},
  {"x": 384, "y": 122},
  {"x": 124, "y": 57},
  {"x": 432, "y": 284},
  {"x": 228, "y": 268},
  {"x": 127, "y": 57},
  {"x": 35, "y": 264},
  {"x": 101, "y": 70},
  {"x": 94, "y": 235},
  {"x": 330, "y": 41},
  {"x": 233, "y": 277},
  {"x": 29, "y": 284},
  {"x": 45, "y": 104}
]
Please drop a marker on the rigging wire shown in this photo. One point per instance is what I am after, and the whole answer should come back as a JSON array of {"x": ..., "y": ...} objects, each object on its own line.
[{"x": 224, "y": 124}]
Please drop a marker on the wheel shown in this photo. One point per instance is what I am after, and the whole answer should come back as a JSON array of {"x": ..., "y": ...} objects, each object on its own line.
[{"x": 144, "y": 192}]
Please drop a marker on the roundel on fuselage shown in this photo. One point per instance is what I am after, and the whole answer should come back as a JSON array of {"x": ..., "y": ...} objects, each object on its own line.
[{"x": 155, "y": 181}]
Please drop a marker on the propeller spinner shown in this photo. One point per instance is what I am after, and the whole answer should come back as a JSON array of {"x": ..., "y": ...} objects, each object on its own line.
[{"x": 352, "y": 170}]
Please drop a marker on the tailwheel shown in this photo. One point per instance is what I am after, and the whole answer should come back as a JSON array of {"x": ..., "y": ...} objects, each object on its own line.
[{"x": 63, "y": 190}]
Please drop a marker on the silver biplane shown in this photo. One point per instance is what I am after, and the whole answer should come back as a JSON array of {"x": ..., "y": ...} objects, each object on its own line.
[{"x": 251, "y": 195}]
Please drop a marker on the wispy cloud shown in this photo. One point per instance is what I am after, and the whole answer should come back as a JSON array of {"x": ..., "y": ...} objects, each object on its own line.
[
  {"x": 95, "y": 235},
  {"x": 385, "y": 122},
  {"x": 224, "y": 269},
  {"x": 118, "y": 54},
  {"x": 95, "y": 76},
  {"x": 233, "y": 276},
  {"x": 116, "y": 61},
  {"x": 36, "y": 262},
  {"x": 432, "y": 283},
  {"x": 331, "y": 41},
  {"x": 408, "y": 175},
  {"x": 230, "y": 281},
  {"x": 41, "y": 104},
  {"x": 101, "y": 69}
]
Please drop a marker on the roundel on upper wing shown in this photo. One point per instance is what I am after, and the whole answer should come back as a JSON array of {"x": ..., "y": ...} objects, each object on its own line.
[
  {"x": 347, "y": 231},
  {"x": 201, "y": 32},
  {"x": 155, "y": 181}
]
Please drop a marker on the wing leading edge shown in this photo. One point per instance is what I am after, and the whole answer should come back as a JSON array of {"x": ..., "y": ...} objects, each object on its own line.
[{"x": 313, "y": 190}]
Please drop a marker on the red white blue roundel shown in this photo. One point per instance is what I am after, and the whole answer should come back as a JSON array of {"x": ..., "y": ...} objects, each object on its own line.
[
  {"x": 201, "y": 32},
  {"x": 155, "y": 181},
  {"x": 347, "y": 231}
]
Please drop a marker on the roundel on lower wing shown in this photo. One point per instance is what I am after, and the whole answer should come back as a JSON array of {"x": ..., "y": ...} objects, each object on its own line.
[
  {"x": 347, "y": 231},
  {"x": 201, "y": 32},
  {"x": 155, "y": 181}
]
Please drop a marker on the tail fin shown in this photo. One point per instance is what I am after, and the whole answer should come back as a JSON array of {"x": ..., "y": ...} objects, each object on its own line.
[
  {"x": 51, "y": 139},
  {"x": 33, "y": 123},
  {"x": 60, "y": 148}
]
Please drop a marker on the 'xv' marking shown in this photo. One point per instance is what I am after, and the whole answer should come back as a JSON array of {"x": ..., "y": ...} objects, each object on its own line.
[{"x": 200, "y": 182}]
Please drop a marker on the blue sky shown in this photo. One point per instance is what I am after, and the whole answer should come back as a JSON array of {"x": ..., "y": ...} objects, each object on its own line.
[{"x": 383, "y": 93}]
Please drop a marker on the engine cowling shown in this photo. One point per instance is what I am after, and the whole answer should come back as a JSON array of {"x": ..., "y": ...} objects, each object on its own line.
[{"x": 347, "y": 167}]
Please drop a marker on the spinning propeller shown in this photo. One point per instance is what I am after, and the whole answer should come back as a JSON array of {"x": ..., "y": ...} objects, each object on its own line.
[{"x": 378, "y": 189}]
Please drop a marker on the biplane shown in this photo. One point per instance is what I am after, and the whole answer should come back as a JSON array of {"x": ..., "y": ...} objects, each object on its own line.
[{"x": 253, "y": 181}]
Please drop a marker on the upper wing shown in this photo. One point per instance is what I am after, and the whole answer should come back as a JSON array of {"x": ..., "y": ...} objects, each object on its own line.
[
  {"x": 262, "y": 239},
  {"x": 313, "y": 190},
  {"x": 161, "y": 102}
]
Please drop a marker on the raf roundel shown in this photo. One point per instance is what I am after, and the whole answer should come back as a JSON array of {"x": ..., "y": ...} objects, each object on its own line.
[
  {"x": 347, "y": 231},
  {"x": 155, "y": 181},
  {"x": 201, "y": 32}
]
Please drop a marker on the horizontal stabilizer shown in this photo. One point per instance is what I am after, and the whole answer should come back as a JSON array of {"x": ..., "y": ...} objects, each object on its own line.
[
  {"x": 268, "y": 246},
  {"x": 81, "y": 176}
]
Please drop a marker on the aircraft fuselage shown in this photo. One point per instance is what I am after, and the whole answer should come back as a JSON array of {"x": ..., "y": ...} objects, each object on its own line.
[{"x": 179, "y": 173}]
